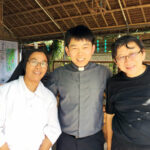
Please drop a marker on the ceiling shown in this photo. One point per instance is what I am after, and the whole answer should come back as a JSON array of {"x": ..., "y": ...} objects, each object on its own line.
[{"x": 30, "y": 20}]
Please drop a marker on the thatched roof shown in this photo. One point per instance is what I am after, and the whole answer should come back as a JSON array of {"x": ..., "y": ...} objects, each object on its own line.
[{"x": 49, "y": 19}]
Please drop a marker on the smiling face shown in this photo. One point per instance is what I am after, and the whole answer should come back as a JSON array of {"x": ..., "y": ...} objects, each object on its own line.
[
  {"x": 35, "y": 70},
  {"x": 80, "y": 51},
  {"x": 132, "y": 63}
]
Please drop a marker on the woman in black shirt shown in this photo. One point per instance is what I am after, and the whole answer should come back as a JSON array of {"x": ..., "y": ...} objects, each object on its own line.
[{"x": 128, "y": 98}]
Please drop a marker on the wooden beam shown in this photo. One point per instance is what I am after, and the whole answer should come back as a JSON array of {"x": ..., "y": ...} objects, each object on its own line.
[
  {"x": 145, "y": 20},
  {"x": 101, "y": 13},
  {"x": 130, "y": 21},
  {"x": 91, "y": 14},
  {"x": 1, "y": 12},
  {"x": 124, "y": 16},
  {"x": 81, "y": 15},
  {"x": 50, "y": 17},
  {"x": 68, "y": 3},
  {"x": 60, "y": 17},
  {"x": 66, "y": 12},
  {"x": 109, "y": 7},
  {"x": 112, "y": 28}
]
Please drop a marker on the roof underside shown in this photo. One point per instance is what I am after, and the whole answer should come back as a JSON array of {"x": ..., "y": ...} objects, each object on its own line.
[{"x": 49, "y": 19}]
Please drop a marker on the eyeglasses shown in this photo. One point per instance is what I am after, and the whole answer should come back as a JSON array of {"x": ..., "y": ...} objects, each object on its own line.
[
  {"x": 34, "y": 63},
  {"x": 130, "y": 56}
]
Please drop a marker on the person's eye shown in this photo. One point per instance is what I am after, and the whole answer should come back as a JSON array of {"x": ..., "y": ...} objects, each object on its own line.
[
  {"x": 33, "y": 61},
  {"x": 44, "y": 63},
  {"x": 85, "y": 47},
  {"x": 121, "y": 57},
  {"x": 74, "y": 48}
]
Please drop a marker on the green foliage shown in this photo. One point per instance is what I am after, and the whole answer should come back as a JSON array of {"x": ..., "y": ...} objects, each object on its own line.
[{"x": 57, "y": 50}]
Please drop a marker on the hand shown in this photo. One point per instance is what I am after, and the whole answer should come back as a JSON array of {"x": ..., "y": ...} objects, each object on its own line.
[
  {"x": 4, "y": 147},
  {"x": 46, "y": 144}
]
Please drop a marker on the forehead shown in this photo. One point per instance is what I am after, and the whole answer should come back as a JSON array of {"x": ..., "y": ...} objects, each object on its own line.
[
  {"x": 131, "y": 46},
  {"x": 76, "y": 42},
  {"x": 38, "y": 56}
]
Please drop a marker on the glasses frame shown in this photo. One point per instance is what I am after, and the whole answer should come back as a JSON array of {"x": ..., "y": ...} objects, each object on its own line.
[
  {"x": 35, "y": 63},
  {"x": 130, "y": 56}
]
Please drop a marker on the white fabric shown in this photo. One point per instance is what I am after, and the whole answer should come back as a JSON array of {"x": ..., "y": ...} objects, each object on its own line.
[{"x": 26, "y": 117}]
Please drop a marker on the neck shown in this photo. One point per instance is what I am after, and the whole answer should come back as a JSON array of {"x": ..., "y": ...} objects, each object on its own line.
[{"x": 32, "y": 86}]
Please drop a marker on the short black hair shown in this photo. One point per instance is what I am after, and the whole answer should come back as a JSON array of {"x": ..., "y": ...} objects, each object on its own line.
[
  {"x": 124, "y": 40},
  {"x": 79, "y": 32}
]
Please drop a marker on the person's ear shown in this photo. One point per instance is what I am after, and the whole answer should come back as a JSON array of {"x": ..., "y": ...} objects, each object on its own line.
[
  {"x": 93, "y": 49},
  {"x": 143, "y": 54},
  {"x": 67, "y": 51},
  {"x": 115, "y": 61}
]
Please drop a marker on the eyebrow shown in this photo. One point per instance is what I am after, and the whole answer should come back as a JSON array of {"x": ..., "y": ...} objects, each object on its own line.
[
  {"x": 36, "y": 59},
  {"x": 74, "y": 45}
]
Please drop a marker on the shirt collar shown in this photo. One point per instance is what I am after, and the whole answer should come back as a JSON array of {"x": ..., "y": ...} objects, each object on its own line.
[
  {"x": 27, "y": 91},
  {"x": 80, "y": 68}
]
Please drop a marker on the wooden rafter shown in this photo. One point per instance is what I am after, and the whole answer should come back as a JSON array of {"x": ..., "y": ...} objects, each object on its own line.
[
  {"x": 130, "y": 21},
  {"x": 1, "y": 12},
  {"x": 28, "y": 20},
  {"x": 94, "y": 29},
  {"x": 124, "y": 16},
  {"x": 91, "y": 14},
  {"x": 48, "y": 14},
  {"x": 1, "y": 18},
  {"x": 58, "y": 5},
  {"x": 60, "y": 17},
  {"x": 145, "y": 20},
  {"x": 66, "y": 12},
  {"x": 102, "y": 14},
  {"x": 109, "y": 7},
  {"x": 81, "y": 15}
]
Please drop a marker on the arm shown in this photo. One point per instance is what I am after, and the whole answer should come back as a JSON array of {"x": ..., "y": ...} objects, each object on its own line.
[
  {"x": 46, "y": 144},
  {"x": 109, "y": 118},
  {"x": 52, "y": 130},
  {"x": 3, "y": 144}
]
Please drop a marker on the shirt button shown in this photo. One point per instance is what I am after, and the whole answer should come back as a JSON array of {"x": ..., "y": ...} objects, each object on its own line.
[
  {"x": 130, "y": 125},
  {"x": 147, "y": 112},
  {"x": 138, "y": 118}
]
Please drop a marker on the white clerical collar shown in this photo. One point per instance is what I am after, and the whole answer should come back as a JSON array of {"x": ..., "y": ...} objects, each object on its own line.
[{"x": 80, "y": 68}]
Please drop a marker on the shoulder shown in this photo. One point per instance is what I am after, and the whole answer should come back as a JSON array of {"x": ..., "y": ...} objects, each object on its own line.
[
  {"x": 148, "y": 68},
  {"x": 99, "y": 66},
  {"x": 8, "y": 89},
  {"x": 116, "y": 78},
  {"x": 60, "y": 69},
  {"x": 103, "y": 69},
  {"x": 9, "y": 85},
  {"x": 47, "y": 94}
]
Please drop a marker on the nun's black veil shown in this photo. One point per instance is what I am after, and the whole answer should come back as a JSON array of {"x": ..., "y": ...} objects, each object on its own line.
[{"x": 20, "y": 69}]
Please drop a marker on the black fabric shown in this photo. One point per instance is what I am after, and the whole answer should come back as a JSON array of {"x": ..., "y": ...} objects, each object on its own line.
[
  {"x": 121, "y": 144},
  {"x": 19, "y": 71},
  {"x": 129, "y": 100},
  {"x": 69, "y": 142}
]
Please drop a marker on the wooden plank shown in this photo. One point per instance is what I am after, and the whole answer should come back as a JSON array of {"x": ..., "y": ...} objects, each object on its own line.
[{"x": 1, "y": 11}]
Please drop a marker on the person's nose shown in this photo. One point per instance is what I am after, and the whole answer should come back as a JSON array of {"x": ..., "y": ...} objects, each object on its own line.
[
  {"x": 127, "y": 58},
  {"x": 38, "y": 65},
  {"x": 80, "y": 51}
]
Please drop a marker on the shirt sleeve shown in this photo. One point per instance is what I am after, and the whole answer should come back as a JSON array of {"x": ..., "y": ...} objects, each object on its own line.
[
  {"x": 109, "y": 104},
  {"x": 52, "y": 130},
  {"x": 2, "y": 119}
]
